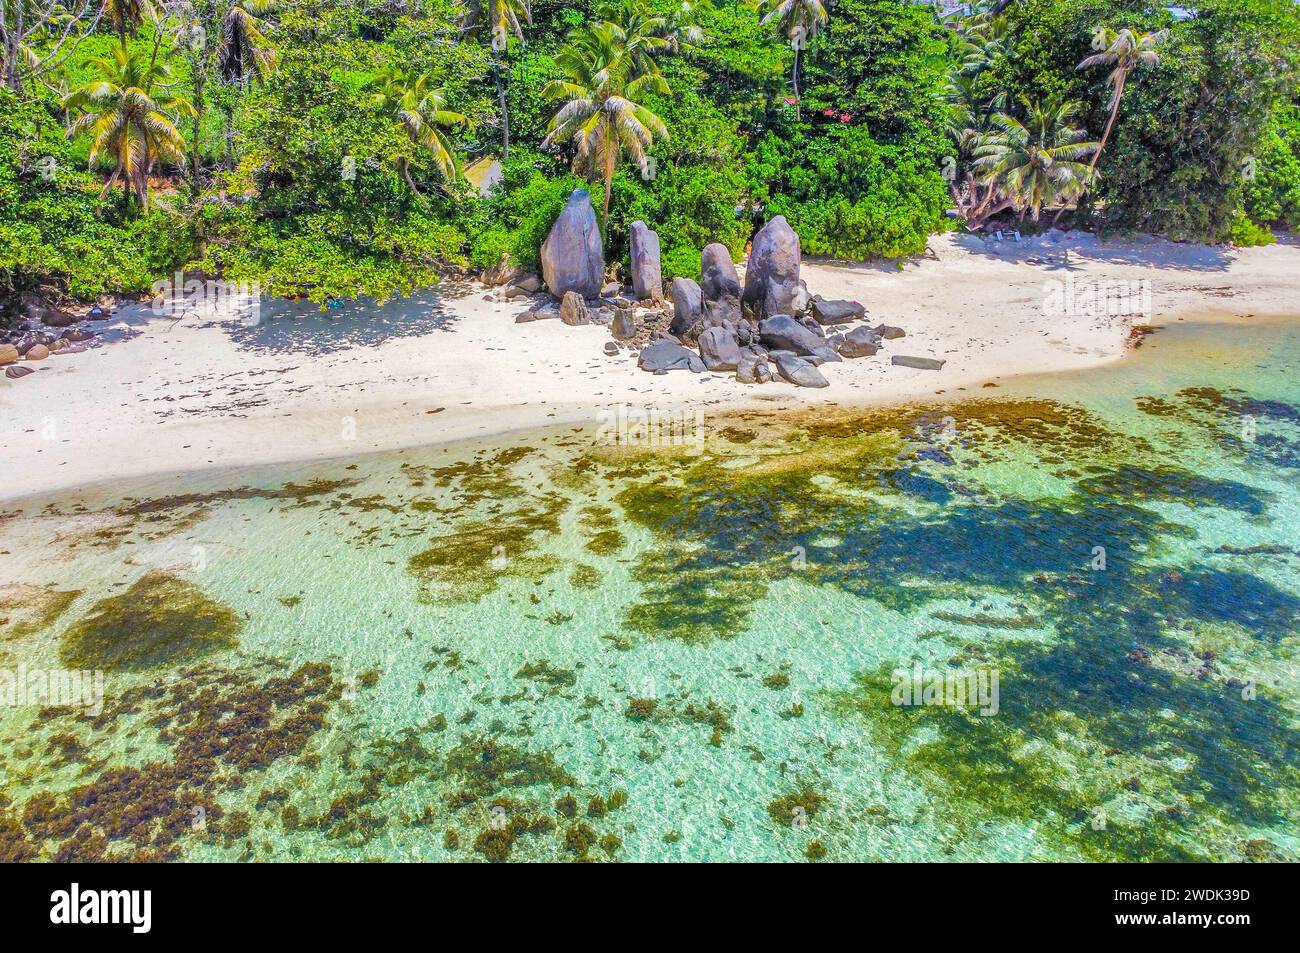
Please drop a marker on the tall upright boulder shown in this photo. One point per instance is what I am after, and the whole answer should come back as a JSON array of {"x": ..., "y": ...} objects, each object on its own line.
[
  {"x": 687, "y": 308},
  {"x": 647, "y": 272},
  {"x": 718, "y": 278},
  {"x": 772, "y": 278},
  {"x": 572, "y": 257}
]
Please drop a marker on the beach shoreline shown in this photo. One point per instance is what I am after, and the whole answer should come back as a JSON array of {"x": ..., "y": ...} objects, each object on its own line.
[{"x": 161, "y": 396}]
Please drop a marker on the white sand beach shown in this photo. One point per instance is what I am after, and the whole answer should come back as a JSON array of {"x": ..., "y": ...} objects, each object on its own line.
[{"x": 157, "y": 395}]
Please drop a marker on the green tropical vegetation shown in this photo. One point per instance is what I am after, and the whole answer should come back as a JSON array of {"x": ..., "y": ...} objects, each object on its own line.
[{"x": 319, "y": 146}]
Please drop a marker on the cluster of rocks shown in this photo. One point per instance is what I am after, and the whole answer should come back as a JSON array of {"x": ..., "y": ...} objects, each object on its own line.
[
  {"x": 771, "y": 327},
  {"x": 45, "y": 331}
]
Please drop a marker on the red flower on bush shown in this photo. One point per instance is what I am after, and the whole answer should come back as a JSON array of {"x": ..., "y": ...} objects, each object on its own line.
[{"x": 845, "y": 117}]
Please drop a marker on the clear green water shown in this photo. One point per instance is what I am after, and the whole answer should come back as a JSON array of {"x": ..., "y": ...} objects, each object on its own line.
[{"x": 546, "y": 647}]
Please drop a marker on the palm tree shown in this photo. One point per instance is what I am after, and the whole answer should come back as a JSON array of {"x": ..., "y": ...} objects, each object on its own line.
[
  {"x": 244, "y": 54},
  {"x": 640, "y": 34},
  {"x": 682, "y": 27},
  {"x": 1125, "y": 51},
  {"x": 127, "y": 15},
  {"x": 412, "y": 101},
  {"x": 501, "y": 18},
  {"x": 1037, "y": 163},
  {"x": 125, "y": 120},
  {"x": 601, "y": 113},
  {"x": 969, "y": 122},
  {"x": 799, "y": 21}
]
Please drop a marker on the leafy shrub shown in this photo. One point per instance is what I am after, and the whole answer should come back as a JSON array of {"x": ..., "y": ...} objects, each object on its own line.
[{"x": 1246, "y": 233}]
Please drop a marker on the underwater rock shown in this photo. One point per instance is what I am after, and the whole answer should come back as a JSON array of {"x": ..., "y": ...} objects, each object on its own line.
[{"x": 161, "y": 620}]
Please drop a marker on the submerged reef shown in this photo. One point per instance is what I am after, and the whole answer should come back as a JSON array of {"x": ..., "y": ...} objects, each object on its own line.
[{"x": 160, "y": 620}]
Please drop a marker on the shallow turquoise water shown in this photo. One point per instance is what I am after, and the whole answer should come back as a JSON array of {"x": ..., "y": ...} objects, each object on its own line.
[{"x": 479, "y": 647}]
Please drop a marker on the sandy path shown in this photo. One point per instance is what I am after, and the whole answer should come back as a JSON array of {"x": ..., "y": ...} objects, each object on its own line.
[{"x": 162, "y": 396}]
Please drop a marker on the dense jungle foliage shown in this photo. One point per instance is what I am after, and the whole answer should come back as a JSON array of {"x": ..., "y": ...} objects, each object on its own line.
[{"x": 321, "y": 146}]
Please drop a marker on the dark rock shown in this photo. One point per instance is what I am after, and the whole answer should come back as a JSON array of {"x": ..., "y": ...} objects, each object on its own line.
[
  {"x": 647, "y": 273},
  {"x": 624, "y": 325},
  {"x": 747, "y": 369},
  {"x": 772, "y": 278},
  {"x": 667, "y": 356},
  {"x": 17, "y": 372},
  {"x": 725, "y": 312},
  {"x": 827, "y": 354},
  {"x": 573, "y": 309},
  {"x": 812, "y": 326},
  {"x": 719, "y": 349},
  {"x": 540, "y": 312},
  {"x": 888, "y": 333},
  {"x": 784, "y": 332},
  {"x": 572, "y": 257},
  {"x": 687, "y": 306},
  {"x": 798, "y": 371},
  {"x": 28, "y": 340},
  {"x": 718, "y": 278},
  {"x": 860, "y": 342},
  {"x": 801, "y": 300},
  {"x": 836, "y": 312},
  {"x": 499, "y": 274},
  {"x": 923, "y": 363},
  {"x": 611, "y": 348},
  {"x": 763, "y": 373}
]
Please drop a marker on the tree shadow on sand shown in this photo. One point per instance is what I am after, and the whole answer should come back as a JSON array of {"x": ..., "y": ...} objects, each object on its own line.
[{"x": 301, "y": 327}]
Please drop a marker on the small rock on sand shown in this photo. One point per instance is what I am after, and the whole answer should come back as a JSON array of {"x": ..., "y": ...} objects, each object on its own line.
[{"x": 923, "y": 363}]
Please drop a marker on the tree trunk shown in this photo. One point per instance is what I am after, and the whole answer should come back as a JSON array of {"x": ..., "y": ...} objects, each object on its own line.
[
  {"x": 230, "y": 137},
  {"x": 795, "y": 79},
  {"x": 405, "y": 166},
  {"x": 497, "y": 68},
  {"x": 1119, "y": 92},
  {"x": 1092, "y": 166},
  {"x": 195, "y": 160}
]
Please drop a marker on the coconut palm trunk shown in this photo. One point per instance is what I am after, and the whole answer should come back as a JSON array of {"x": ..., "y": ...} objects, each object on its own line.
[
  {"x": 196, "y": 127},
  {"x": 1110, "y": 123},
  {"x": 497, "y": 68},
  {"x": 795, "y": 80}
]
